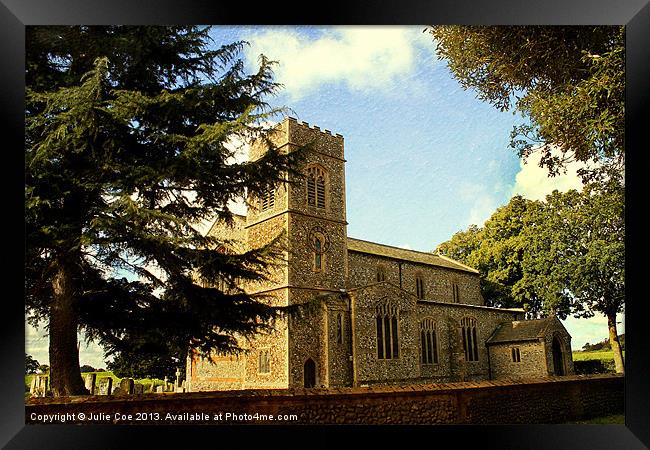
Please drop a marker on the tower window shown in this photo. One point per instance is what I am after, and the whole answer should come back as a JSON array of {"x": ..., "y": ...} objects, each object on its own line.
[
  {"x": 470, "y": 342},
  {"x": 316, "y": 187},
  {"x": 455, "y": 293},
  {"x": 419, "y": 286},
  {"x": 318, "y": 253},
  {"x": 516, "y": 356},
  {"x": 268, "y": 199},
  {"x": 381, "y": 274},
  {"x": 428, "y": 342},
  {"x": 264, "y": 361},
  {"x": 387, "y": 332}
]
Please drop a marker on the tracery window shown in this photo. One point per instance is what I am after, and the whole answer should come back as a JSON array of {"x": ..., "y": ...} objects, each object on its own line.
[
  {"x": 387, "y": 332},
  {"x": 470, "y": 342},
  {"x": 316, "y": 187},
  {"x": 428, "y": 342}
]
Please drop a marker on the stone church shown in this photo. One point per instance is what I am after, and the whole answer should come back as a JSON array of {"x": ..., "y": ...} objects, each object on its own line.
[{"x": 380, "y": 314}]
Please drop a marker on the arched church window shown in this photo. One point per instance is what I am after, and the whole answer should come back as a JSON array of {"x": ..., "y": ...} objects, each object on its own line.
[
  {"x": 381, "y": 274},
  {"x": 387, "y": 332},
  {"x": 419, "y": 286},
  {"x": 470, "y": 341},
  {"x": 428, "y": 342},
  {"x": 316, "y": 186},
  {"x": 319, "y": 245}
]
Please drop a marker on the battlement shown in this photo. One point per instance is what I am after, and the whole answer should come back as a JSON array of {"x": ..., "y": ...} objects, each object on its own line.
[{"x": 313, "y": 127}]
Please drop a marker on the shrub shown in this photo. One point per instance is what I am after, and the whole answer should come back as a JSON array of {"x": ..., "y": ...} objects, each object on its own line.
[{"x": 592, "y": 366}]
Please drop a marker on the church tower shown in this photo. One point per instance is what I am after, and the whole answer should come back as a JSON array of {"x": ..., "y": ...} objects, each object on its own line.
[{"x": 311, "y": 211}]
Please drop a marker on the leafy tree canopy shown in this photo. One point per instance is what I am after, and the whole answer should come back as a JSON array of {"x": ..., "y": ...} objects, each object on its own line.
[
  {"x": 129, "y": 134},
  {"x": 563, "y": 256},
  {"x": 568, "y": 81},
  {"x": 31, "y": 365}
]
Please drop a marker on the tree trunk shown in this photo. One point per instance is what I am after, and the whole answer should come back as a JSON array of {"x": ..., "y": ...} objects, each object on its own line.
[
  {"x": 616, "y": 346},
  {"x": 65, "y": 374}
]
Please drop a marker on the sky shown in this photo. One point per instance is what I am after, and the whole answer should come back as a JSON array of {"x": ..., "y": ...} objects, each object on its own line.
[{"x": 425, "y": 158}]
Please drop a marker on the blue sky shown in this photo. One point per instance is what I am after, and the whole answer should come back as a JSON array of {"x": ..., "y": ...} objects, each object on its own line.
[{"x": 425, "y": 158}]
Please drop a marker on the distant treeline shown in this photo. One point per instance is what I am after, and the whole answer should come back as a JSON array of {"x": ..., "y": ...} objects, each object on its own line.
[{"x": 603, "y": 345}]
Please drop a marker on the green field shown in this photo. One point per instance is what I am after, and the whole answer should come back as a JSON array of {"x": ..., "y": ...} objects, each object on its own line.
[{"x": 600, "y": 354}]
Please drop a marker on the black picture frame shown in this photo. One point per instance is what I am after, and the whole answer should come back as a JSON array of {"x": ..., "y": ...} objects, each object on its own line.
[{"x": 635, "y": 14}]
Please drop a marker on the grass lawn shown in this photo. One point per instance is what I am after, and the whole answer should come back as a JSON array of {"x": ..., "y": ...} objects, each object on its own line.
[{"x": 600, "y": 354}]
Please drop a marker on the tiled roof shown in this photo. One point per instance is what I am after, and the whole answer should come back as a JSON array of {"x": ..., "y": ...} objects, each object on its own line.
[
  {"x": 388, "y": 251},
  {"x": 522, "y": 330}
]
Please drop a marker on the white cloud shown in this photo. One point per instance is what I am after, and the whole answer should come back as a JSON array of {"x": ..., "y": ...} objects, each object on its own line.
[
  {"x": 483, "y": 202},
  {"x": 533, "y": 182},
  {"x": 362, "y": 57}
]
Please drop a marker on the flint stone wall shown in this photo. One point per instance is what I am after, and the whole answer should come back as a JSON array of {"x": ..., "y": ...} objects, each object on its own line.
[{"x": 546, "y": 400}]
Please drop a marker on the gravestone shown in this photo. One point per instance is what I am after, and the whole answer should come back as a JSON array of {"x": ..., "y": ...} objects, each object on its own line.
[
  {"x": 126, "y": 386},
  {"x": 105, "y": 386},
  {"x": 138, "y": 389},
  {"x": 39, "y": 385},
  {"x": 91, "y": 382}
]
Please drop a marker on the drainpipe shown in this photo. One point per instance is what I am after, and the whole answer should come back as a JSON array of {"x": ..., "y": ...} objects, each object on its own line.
[{"x": 400, "y": 275}]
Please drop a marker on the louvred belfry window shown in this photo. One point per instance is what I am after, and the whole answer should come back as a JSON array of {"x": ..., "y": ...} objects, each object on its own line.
[
  {"x": 268, "y": 199},
  {"x": 316, "y": 187}
]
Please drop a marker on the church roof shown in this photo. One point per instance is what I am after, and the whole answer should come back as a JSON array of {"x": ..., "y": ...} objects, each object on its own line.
[
  {"x": 521, "y": 330},
  {"x": 372, "y": 248}
]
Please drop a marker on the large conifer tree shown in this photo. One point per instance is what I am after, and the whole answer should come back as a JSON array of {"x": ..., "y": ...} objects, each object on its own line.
[{"x": 127, "y": 132}]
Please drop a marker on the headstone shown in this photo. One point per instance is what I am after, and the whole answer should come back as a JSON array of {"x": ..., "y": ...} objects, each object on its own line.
[
  {"x": 91, "y": 380},
  {"x": 159, "y": 388},
  {"x": 39, "y": 385},
  {"x": 32, "y": 388},
  {"x": 138, "y": 389},
  {"x": 126, "y": 386},
  {"x": 105, "y": 386}
]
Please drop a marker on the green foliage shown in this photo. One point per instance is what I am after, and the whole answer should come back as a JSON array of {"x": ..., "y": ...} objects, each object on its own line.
[
  {"x": 591, "y": 366},
  {"x": 568, "y": 81},
  {"x": 147, "y": 358},
  {"x": 565, "y": 255},
  {"x": 128, "y": 144},
  {"x": 31, "y": 365}
]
